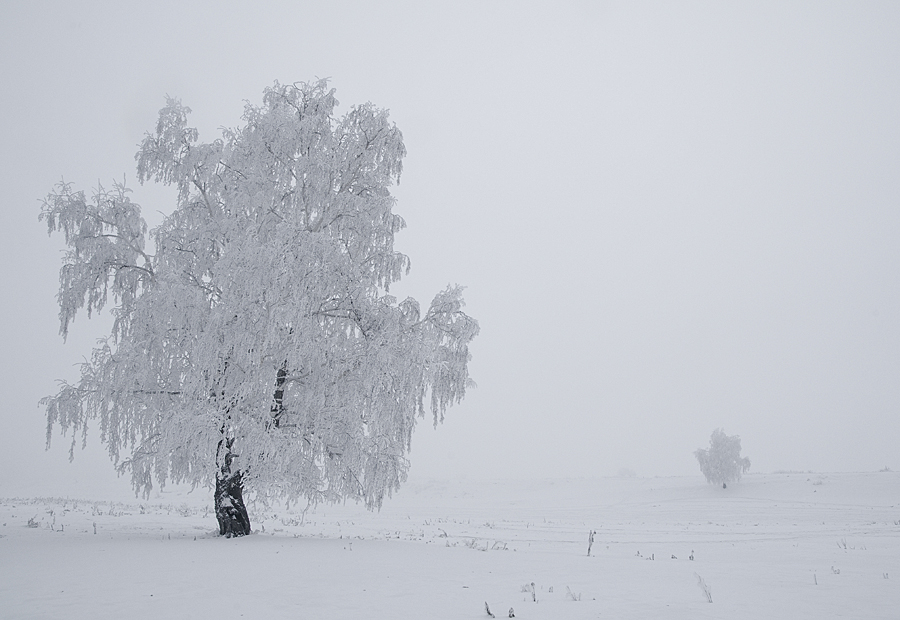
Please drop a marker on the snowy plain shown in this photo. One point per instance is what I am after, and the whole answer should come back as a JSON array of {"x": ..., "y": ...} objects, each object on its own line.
[{"x": 788, "y": 545}]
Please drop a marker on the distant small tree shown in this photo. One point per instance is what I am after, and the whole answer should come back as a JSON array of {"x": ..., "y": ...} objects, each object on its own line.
[
  {"x": 722, "y": 463},
  {"x": 256, "y": 343}
]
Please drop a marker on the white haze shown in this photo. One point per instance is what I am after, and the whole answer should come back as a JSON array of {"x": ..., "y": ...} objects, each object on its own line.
[{"x": 668, "y": 217}]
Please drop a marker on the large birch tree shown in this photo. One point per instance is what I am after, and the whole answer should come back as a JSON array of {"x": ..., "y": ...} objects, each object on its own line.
[{"x": 255, "y": 342}]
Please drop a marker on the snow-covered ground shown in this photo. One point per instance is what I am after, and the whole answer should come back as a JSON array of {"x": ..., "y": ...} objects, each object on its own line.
[{"x": 772, "y": 546}]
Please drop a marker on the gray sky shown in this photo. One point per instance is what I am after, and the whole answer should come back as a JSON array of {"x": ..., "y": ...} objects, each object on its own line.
[{"x": 669, "y": 217}]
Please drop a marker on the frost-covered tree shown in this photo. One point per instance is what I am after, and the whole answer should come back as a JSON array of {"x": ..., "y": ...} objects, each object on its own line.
[
  {"x": 254, "y": 339},
  {"x": 722, "y": 462}
]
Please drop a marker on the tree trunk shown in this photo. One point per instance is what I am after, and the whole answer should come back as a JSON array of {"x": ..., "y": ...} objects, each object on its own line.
[
  {"x": 229, "y": 496},
  {"x": 230, "y": 510}
]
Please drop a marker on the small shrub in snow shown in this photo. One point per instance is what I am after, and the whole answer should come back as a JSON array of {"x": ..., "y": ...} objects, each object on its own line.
[{"x": 530, "y": 589}]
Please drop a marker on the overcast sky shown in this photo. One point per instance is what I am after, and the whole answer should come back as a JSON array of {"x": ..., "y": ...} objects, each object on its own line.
[{"x": 669, "y": 217}]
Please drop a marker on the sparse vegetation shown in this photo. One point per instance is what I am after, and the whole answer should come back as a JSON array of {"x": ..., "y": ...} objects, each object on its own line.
[{"x": 408, "y": 536}]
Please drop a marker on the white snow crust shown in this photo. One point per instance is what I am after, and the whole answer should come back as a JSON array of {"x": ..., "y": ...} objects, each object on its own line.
[{"x": 772, "y": 546}]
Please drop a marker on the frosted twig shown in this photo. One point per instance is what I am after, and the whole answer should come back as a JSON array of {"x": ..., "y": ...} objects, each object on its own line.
[{"x": 704, "y": 587}]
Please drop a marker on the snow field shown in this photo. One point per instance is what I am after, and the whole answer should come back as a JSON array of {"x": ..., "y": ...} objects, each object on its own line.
[{"x": 772, "y": 546}]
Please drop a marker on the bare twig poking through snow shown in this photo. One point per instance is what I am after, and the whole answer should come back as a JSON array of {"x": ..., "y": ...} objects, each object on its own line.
[
  {"x": 488, "y": 610},
  {"x": 590, "y": 541},
  {"x": 529, "y": 588},
  {"x": 704, "y": 587},
  {"x": 572, "y": 596}
]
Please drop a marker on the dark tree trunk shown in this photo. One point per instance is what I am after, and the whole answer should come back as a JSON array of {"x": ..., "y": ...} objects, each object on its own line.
[
  {"x": 230, "y": 510},
  {"x": 231, "y": 513}
]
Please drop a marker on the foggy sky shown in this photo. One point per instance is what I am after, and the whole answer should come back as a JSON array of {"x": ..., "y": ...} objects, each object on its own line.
[{"x": 668, "y": 217}]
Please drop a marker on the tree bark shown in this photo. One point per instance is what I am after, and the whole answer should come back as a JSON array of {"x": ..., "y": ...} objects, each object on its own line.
[
  {"x": 278, "y": 405},
  {"x": 231, "y": 513}
]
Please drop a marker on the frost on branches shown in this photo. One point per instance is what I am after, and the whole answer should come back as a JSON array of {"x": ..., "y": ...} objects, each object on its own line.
[
  {"x": 722, "y": 463},
  {"x": 257, "y": 344}
]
